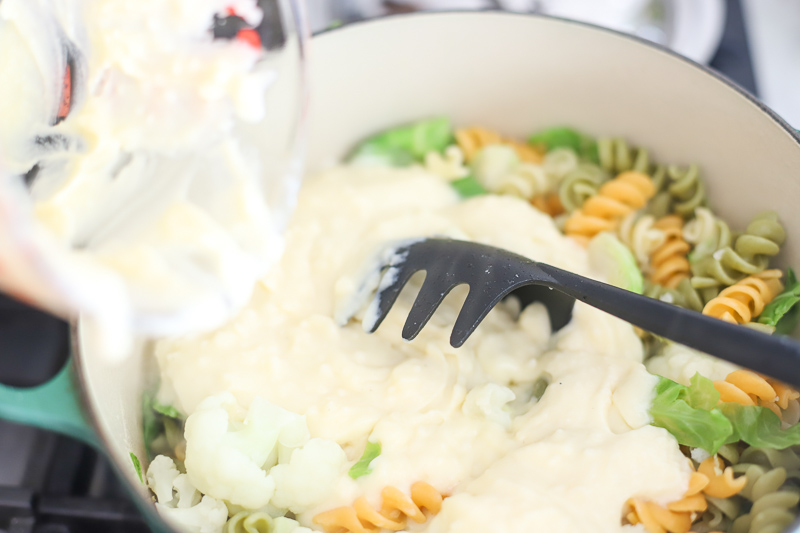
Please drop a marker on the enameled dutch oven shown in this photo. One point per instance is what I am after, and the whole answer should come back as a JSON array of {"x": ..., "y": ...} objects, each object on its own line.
[{"x": 515, "y": 73}]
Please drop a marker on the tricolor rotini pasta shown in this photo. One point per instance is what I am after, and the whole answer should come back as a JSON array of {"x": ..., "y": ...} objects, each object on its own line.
[
  {"x": 749, "y": 388},
  {"x": 580, "y": 184},
  {"x": 396, "y": 508},
  {"x": 616, "y": 156},
  {"x": 472, "y": 140},
  {"x": 749, "y": 254},
  {"x": 773, "y": 504},
  {"x": 686, "y": 188},
  {"x": 614, "y": 200},
  {"x": 639, "y": 232},
  {"x": 745, "y": 300},
  {"x": 668, "y": 261}
]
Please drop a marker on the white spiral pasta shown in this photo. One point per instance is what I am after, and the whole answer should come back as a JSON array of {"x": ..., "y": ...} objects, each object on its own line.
[
  {"x": 500, "y": 171},
  {"x": 706, "y": 233},
  {"x": 791, "y": 415},
  {"x": 637, "y": 231},
  {"x": 559, "y": 162},
  {"x": 449, "y": 165},
  {"x": 701, "y": 227}
]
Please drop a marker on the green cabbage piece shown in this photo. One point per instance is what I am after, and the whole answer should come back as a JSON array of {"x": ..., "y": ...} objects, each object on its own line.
[
  {"x": 760, "y": 427},
  {"x": 563, "y": 137},
  {"x": 468, "y": 187},
  {"x": 783, "y": 311},
  {"x": 361, "y": 468},
  {"x": 610, "y": 257},
  {"x": 694, "y": 416},
  {"x": 137, "y": 465},
  {"x": 166, "y": 410},
  {"x": 405, "y": 145},
  {"x": 684, "y": 412}
]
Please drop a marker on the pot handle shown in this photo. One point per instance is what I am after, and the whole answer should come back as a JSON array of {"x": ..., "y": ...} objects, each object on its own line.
[{"x": 54, "y": 406}]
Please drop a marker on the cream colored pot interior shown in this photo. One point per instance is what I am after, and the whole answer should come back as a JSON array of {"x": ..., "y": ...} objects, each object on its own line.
[{"x": 516, "y": 74}]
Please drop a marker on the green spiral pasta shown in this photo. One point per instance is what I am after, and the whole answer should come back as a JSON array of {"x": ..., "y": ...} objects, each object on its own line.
[
  {"x": 750, "y": 254},
  {"x": 616, "y": 156},
  {"x": 767, "y": 504},
  {"x": 249, "y": 522},
  {"x": 773, "y": 503},
  {"x": 684, "y": 295},
  {"x": 580, "y": 184},
  {"x": 686, "y": 188},
  {"x": 719, "y": 516},
  {"x": 721, "y": 512},
  {"x": 707, "y": 233},
  {"x": 770, "y": 457},
  {"x": 259, "y": 522}
]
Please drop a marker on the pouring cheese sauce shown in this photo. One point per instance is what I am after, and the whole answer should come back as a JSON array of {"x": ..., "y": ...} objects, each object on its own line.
[
  {"x": 467, "y": 421},
  {"x": 126, "y": 117}
]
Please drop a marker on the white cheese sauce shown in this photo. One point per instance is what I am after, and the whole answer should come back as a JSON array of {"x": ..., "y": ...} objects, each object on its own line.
[{"x": 464, "y": 420}]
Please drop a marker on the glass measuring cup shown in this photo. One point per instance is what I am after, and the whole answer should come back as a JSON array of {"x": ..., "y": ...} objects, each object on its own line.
[{"x": 150, "y": 154}]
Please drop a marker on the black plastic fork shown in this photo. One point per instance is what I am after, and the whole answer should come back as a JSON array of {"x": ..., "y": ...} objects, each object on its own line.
[{"x": 493, "y": 273}]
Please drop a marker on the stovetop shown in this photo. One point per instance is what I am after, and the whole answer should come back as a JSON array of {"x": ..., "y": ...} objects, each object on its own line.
[{"x": 53, "y": 484}]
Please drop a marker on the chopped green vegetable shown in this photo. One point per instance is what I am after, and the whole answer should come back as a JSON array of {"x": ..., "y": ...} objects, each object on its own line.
[
  {"x": 609, "y": 257},
  {"x": 468, "y": 187},
  {"x": 493, "y": 163},
  {"x": 137, "y": 466},
  {"x": 404, "y": 145},
  {"x": 159, "y": 421},
  {"x": 783, "y": 311},
  {"x": 562, "y": 137},
  {"x": 695, "y": 418},
  {"x": 361, "y": 468},
  {"x": 690, "y": 425},
  {"x": 760, "y": 427},
  {"x": 701, "y": 393},
  {"x": 166, "y": 410},
  {"x": 151, "y": 425}
]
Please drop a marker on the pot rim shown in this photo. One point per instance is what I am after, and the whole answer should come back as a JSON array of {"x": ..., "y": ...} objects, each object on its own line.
[{"x": 147, "y": 505}]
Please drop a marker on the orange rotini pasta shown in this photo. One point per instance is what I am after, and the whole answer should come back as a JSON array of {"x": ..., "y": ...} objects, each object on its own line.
[
  {"x": 616, "y": 198},
  {"x": 668, "y": 262},
  {"x": 396, "y": 508},
  {"x": 677, "y": 516},
  {"x": 549, "y": 203},
  {"x": 749, "y": 388},
  {"x": 721, "y": 483},
  {"x": 471, "y": 140},
  {"x": 743, "y": 301},
  {"x": 712, "y": 479}
]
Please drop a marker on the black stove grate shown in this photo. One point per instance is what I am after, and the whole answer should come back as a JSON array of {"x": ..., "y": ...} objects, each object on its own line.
[{"x": 66, "y": 487}]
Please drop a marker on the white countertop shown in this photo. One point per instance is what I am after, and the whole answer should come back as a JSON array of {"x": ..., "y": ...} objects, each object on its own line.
[{"x": 773, "y": 28}]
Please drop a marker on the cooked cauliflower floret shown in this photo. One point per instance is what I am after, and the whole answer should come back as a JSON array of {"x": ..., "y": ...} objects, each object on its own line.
[
  {"x": 160, "y": 477},
  {"x": 188, "y": 495},
  {"x": 680, "y": 363},
  {"x": 180, "y": 503},
  {"x": 287, "y": 525},
  {"x": 489, "y": 401},
  {"x": 208, "y": 516},
  {"x": 310, "y": 475},
  {"x": 229, "y": 454}
]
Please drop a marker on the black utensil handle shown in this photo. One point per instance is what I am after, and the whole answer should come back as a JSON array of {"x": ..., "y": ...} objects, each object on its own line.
[{"x": 775, "y": 356}]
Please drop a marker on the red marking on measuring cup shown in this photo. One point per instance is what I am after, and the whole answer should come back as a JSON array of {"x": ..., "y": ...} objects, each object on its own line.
[
  {"x": 250, "y": 37},
  {"x": 66, "y": 95}
]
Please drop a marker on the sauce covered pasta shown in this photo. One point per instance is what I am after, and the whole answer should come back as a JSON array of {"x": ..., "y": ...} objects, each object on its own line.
[{"x": 291, "y": 418}]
